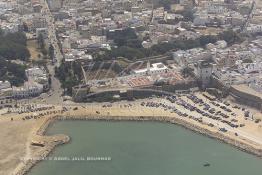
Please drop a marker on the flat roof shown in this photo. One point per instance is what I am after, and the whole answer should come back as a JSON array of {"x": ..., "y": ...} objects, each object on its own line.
[{"x": 155, "y": 67}]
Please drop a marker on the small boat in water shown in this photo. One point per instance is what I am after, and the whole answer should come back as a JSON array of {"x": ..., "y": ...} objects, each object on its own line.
[{"x": 206, "y": 164}]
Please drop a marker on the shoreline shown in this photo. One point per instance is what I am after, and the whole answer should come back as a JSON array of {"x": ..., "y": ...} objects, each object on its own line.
[{"x": 63, "y": 139}]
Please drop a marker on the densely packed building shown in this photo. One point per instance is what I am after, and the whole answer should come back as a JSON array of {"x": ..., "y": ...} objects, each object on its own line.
[{"x": 85, "y": 27}]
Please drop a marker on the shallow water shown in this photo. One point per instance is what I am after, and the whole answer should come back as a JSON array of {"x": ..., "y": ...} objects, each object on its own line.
[{"x": 142, "y": 148}]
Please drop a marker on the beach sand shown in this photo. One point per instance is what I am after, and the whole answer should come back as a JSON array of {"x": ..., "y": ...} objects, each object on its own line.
[{"x": 17, "y": 136}]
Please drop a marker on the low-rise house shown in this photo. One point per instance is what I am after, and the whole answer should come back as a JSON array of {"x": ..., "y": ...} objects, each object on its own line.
[
  {"x": 247, "y": 68},
  {"x": 216, "y": 9},
  {"x": 4, "y": 85},
  {"x": 155, "y": 69},
  {"x": 74, "y": 55},
  {"x": 38, "y": 75},
  {"x": 30, "y": 89},
  {"x": 9, "y": 27},
  {"x": 173, "y": 18},
  {"x": 254, "y": 28},
  {"x": 42, "y": 31},
  {"x": 6, "y": 102},
  {"x": 34, "y": 21},
  {"x": 257, "y": 84},
  {"x": 188, "y": 35}
]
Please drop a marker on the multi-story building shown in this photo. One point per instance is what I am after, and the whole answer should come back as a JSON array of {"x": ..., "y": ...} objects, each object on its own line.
[
  {"x": 257, "y": 84},
  {"x": 30, "y": 89},
  {"x": 42, "y": 31},
  {"x": 4, "y": 85},
  {"x": 203, "y": 71},
  {"x": 54, "y": 4},
  {"x": 39, "y": 76},
  {"x": 34, "y": 21}
]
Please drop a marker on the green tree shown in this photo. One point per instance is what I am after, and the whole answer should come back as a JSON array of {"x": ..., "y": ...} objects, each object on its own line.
[
  {"x": 44, "y": 52},
  {"x": 14, "y": 73},
  {"x": 166, "y": 4},
  {"x": 51, "y": 52},
  {"x": 206, "y": 39},
  {"x": 125, "y": 37},
  {"x": 1, "y": 32},
  {"x": 41, "y": 41},
  {"x": 13, "y": 46},
  {"x": 188, "y": 14},
  {"x": 230, "y": 37},
  {"x": 25, "y": 27},
  {"x": 17, "y": 37},
  {"x": 186, "y": 71},
  {"x": 49, "y": 80},
  {"x": 247, "y": 60}
]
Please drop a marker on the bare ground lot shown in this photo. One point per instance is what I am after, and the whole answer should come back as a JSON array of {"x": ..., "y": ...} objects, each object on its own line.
[
  {"x": 32, "y": 47},
  {"x": 14, "y": 139}
]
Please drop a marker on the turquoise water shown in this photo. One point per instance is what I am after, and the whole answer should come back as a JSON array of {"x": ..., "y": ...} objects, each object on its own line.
[{"x": 145, "y": 148}]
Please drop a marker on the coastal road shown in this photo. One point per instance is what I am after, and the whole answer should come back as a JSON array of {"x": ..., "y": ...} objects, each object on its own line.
[
  {"x": 55, "y": 95},
  {"x": 52, "y": 97},
  {"x": 244, "y": 134}
]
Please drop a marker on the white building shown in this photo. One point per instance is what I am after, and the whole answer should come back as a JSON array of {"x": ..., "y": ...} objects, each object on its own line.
[
  {"x": 155, "y": 69},
  {"x": 74, "y": 55},
  {"x": 42, "y": 31},
  {"x": 4, "y": 85},
  {"x": 30, "y": 89},
  {"x": 9, "y": 27},
  {"x": 247, "y": 68},
  {"x": 34, "y": 21},
  {"x": 257, "y": 84},
  {"x": 33, "y": 72},
  {"x": 38, "y": 75},
  {"x": 216, "y": 9},
  {"x": 254, "y": 28}
]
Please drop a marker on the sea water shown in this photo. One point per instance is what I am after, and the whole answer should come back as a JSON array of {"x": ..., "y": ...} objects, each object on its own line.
[{"x": 141, "y": 148}]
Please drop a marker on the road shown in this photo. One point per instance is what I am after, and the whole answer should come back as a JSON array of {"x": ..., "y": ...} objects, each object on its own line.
[
  {"x": 51, "y": 31},
  {"x": 54, "y": 95},
  {"x": 258, "y": 3}
]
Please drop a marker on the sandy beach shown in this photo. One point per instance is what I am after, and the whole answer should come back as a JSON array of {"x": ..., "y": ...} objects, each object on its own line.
[{"x": 25, "y": 143}]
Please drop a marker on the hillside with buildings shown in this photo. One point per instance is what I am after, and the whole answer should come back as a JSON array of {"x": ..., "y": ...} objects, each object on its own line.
[
  {"x": 196, "y": 63},
  {"x": 126, "y": 44}
]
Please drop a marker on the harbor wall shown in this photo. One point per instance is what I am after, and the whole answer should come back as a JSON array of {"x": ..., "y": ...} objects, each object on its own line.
[
  {"x": 246, "y": 98},
  {"x": 143, "y": 92}
]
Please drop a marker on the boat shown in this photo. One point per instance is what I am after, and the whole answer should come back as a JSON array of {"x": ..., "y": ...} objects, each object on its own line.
[{"x": 206, "y": 164}]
